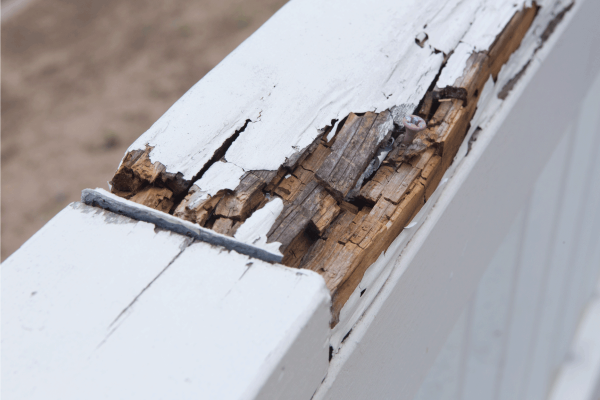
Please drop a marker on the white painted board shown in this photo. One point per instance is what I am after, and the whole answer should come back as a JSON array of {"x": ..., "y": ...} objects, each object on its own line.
[
  {"x": 63, "y": 288},
  {"x": 579, "y": 377},
  {"x": 492, "y": 305},
  {"x": 442, "y": 381},
  {"x": 97, "y": 305},
  {"x": 519, "y": 307}
]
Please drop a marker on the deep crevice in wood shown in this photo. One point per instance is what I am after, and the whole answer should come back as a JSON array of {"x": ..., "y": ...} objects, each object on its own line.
[{"x": 137, "y": 173}]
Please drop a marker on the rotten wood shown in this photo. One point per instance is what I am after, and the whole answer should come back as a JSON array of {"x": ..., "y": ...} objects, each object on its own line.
[
  {"x": 293, "y": 184},
  {"x": 321, "y": 227},
  {"x": 158, "y": 198},
  {"x": 399, "y": 192},
  {"x": 226, "y": 226},
  {"x": 137, "y": 171},
  {"x": 197, "y": 208},
  {"x": 354, "y": 148},
  {"x": 246, "y": 197}
]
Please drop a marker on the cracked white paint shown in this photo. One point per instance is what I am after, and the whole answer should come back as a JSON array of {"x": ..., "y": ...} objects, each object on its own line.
[
  {"x": 273, "y": 80},
  {"x": 220, "y": 176},
  {"x": 449, "y": 23},
  {"x": 299, "y": 87},
  {"x": 490, "y": 20},
  {"x": 455, "y": 66},
  {"x": 99, "y": 306}
]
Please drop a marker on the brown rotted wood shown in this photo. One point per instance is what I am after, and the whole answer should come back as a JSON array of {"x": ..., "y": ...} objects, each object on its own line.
[
  {"x": 197, "y": 211},
  {"x": 398, "y": 193},
  {"x": 226, "y": 226},
  {"x": 313, "y": 209},
  {"x": 246, "y": 197},
  {"x": 137, "y": 172},
  {"x": 158, "y": 198},
  {"x": 354, "y": 147},
  {"x": 293, "y": 184}
]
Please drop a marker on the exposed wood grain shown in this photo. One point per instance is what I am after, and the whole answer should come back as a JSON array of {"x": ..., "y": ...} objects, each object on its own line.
[
  {"x": 431, "y": 175},
  {"x": 293, "y": 184},
  {"x": 197, "y": 208},
  {"x": 399, "y": 193},
  {"x": 137, "y": 170},
  {"x": 354, "y": 147},
  {"x": 158, "y": 198},
  {"x": 226, "y": 226},
  {"x": 510, "y": 39},
  {"x": 373, "y": 189},
  {"x": 313, "y": 209},
  {"x": 246, "y": 197}
]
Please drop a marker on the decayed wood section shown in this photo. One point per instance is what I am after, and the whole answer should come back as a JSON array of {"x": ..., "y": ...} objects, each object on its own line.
[{"x": 337, "y": 220}]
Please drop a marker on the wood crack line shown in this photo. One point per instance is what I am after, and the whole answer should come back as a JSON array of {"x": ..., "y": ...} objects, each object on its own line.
[{"x": 113, "y": 325}]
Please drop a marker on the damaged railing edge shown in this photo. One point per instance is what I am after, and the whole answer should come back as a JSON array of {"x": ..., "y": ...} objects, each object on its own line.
[{"x": 108, "y": 201}]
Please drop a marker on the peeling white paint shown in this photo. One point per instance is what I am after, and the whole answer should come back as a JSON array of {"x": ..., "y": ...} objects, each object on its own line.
[
  {"x": 490, "y": 20},
  {"x": 274, "y": 74},
  {"x": 254, "y": 230},
  {"x": 451, "y": 20},
  {"x": 455, "y": 66},
  {"x": 397, "y": 323},
  {"x": 220, "y": 176}
]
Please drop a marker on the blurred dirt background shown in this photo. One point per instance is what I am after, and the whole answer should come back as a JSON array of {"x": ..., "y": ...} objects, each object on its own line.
[{"x": 82, "y": 79}]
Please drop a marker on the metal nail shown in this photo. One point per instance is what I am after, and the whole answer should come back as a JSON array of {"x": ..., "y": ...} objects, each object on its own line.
[{"x": 412, "y": 124}]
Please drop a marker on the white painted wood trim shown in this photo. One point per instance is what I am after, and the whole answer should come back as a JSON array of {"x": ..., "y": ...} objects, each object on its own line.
[
  {"x": 281, "y": 339},
  {"x": 509, "y": 348},
  {"x": 579, "y": 376},
  {"x": 97, "y": 305}
]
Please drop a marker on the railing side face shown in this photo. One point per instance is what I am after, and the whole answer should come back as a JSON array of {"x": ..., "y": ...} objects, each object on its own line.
[{"x": 516, "y": 330}]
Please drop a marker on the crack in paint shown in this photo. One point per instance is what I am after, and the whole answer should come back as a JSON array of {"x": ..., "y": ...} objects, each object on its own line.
[{"x": 186, "y": 243}]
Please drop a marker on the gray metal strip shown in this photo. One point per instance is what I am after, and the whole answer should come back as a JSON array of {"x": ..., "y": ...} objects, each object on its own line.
[{"x": 108, "y": 201}]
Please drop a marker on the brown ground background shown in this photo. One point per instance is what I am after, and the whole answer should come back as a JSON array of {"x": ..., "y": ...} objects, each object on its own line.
[{"x": 82, "y": 79}]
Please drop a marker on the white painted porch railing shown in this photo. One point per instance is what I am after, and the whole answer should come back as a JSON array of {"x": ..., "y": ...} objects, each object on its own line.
[
  {"x": 517, "y": 328},
  {"x": 483, "y": 302}
]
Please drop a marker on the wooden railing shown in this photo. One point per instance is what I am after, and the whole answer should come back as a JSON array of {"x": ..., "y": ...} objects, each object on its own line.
[{"x": 469, "y": 284}]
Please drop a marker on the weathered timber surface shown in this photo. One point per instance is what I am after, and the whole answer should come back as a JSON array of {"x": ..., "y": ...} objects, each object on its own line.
[
  {"x": 197, "y": 208},
  {"x": 354, "y": 148},
  {"x": 408, "y": 175},
  {"x": 158, "y": 198},
  {"x": 236, "y": 205},
  {"x": 246, "y": 197},
  {"x": 137, "y": 171},
  {"x": 226, "y": 226},
  {"x": 330, "y": 223}
]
